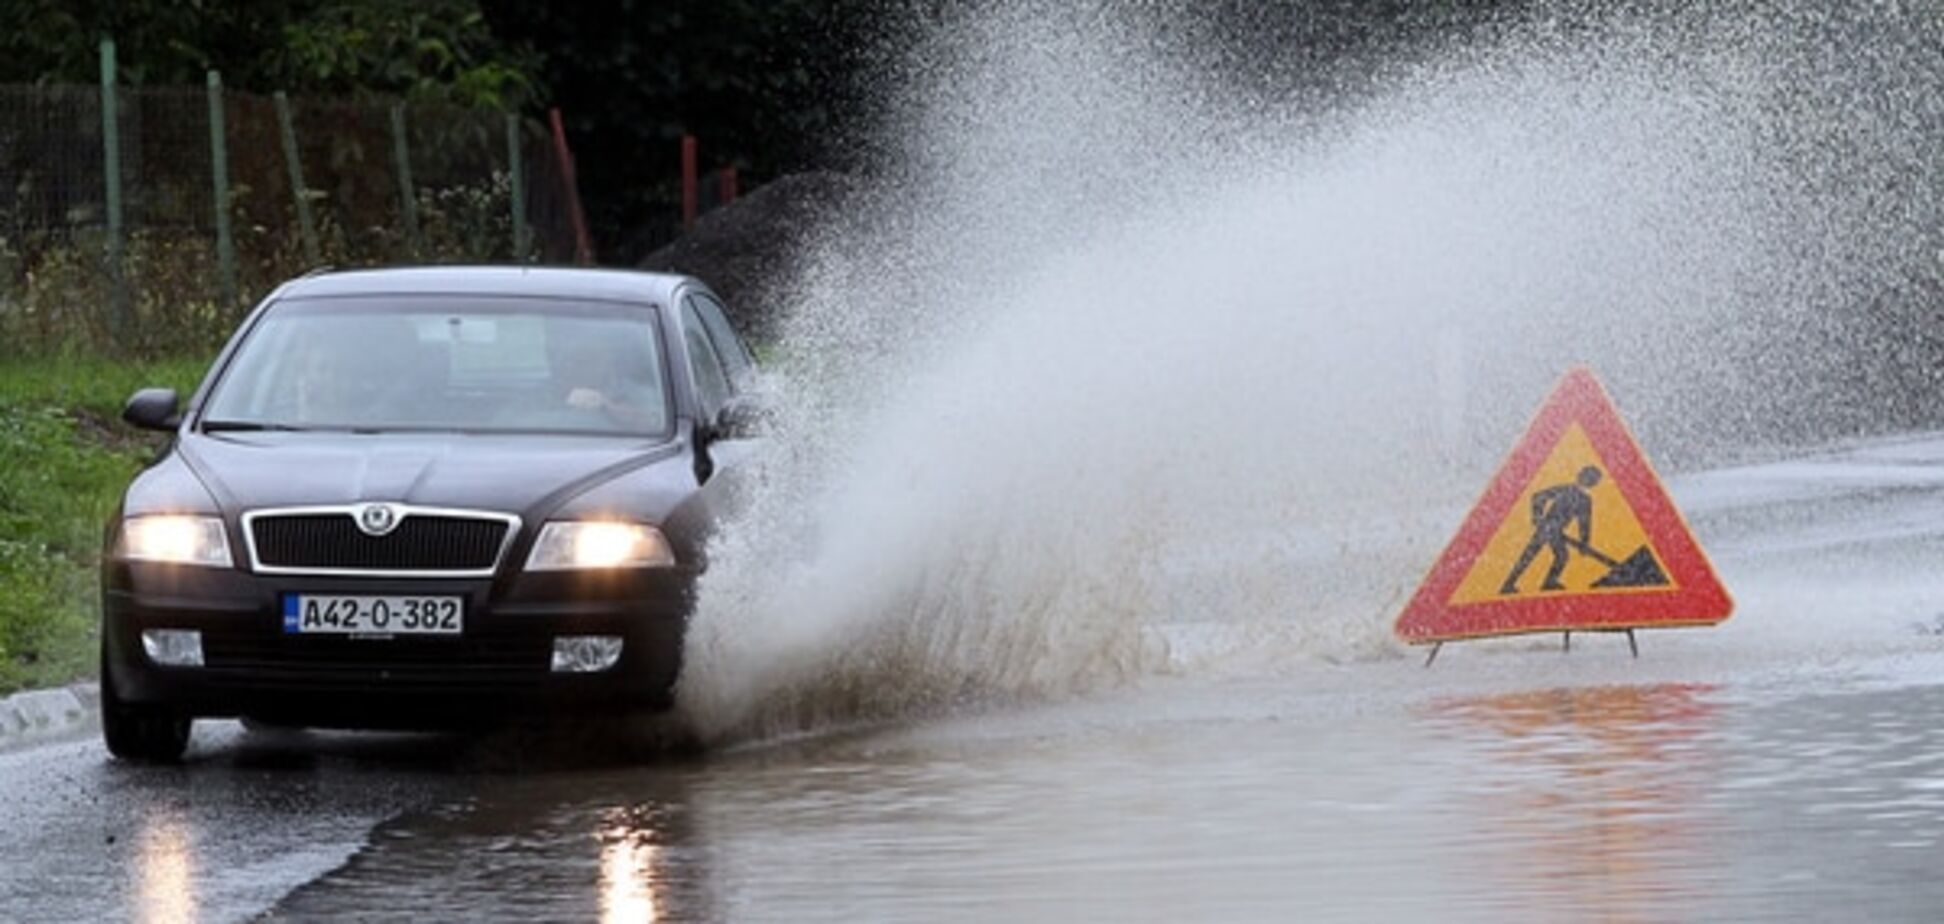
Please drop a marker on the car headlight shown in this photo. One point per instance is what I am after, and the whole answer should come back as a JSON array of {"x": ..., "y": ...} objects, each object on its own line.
[
  {"x": 175, "y": 539},
  {"x": 599, "y": 544}
]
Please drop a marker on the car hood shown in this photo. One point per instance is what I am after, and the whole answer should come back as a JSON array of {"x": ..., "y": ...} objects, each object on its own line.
[{"x": 521, "y": 474}]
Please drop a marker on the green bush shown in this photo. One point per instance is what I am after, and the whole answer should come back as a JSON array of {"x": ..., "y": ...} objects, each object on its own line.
[
  {"x": 46, "y": 623},
  {"x": 63, "y": 464}
]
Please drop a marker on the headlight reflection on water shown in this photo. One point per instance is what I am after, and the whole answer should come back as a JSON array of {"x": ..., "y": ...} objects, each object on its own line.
[
  {"x": 166, "y": 870},
  {"x": 631, "y": 882}
]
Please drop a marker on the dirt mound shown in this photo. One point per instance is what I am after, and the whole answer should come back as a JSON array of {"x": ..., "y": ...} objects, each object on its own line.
[{"x": 744, "y": 249}]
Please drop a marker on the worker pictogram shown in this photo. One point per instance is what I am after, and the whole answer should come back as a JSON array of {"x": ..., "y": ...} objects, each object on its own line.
[{"x": 1575, "y": 532}]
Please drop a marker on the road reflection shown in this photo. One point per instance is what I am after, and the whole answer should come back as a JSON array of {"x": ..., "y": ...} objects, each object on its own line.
[
  {"x": 165, "y": 869},
  {"x": 631, "y": 880},
  {"x": 613, "y": 846},
  {"x": 1589, "y": 800}
]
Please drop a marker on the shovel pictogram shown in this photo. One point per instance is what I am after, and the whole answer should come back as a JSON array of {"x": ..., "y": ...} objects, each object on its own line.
[{"x": 1637, "y": 570}]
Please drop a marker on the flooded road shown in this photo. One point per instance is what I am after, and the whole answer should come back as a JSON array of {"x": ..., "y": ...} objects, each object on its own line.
[
  {"x": 1665, "y": 800},
  {"x": 1789, "y": 765}
]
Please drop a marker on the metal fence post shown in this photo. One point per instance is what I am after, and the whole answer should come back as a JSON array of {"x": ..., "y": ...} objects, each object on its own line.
[
  {"x": 111, "y": 176},
  {"x": 517, "y": 178},
  {"x": 219, "y": 177},
  {"x": 313, "y": 254},
  {"x": 407, "y": 193}
]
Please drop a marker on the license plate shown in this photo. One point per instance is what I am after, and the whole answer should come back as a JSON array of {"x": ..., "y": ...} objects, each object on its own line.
[{"x": 372, "y": 615}]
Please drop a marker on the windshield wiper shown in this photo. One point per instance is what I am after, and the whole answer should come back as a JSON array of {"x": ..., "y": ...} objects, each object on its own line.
[{"x": 248, "y": 426}]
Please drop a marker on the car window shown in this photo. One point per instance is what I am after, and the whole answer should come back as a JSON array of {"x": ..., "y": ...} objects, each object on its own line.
[
  {"x": 735, "y": 356},
  {"x": 445, "y": 363},
  {"x": 711, "y": 385}
]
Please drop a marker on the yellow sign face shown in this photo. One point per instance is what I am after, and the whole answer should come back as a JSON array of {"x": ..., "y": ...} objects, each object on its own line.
[{"x": 1571, "y": 532}]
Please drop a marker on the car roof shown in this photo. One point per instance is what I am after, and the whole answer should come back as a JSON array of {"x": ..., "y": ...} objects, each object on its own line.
[{"x": 549, "y": 281}]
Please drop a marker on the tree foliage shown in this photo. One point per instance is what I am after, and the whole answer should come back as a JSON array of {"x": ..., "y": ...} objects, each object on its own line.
[
  {"x": 426, "y": 48},
  {"x": 441, "y": 49}
]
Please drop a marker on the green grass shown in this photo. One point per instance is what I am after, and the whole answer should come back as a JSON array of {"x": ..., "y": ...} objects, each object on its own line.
[{"x": 64, "y": 459}]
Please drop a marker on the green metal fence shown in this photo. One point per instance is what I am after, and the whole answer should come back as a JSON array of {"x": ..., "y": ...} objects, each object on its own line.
[{"x": 148, "y": 219}]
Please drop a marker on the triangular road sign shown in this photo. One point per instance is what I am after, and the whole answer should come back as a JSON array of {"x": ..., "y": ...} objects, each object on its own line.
[{"x": 1575, "y": 532}]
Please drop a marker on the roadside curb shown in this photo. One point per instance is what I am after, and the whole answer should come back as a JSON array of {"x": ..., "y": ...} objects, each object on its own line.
[{"x": 44, "y": 715}]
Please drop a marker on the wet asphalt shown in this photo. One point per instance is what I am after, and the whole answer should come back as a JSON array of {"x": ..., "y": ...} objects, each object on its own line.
[{"x": 1800, "y": 794}]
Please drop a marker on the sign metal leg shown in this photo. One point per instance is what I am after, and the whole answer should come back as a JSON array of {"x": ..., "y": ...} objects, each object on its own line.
[{"x": 1435, "y": 648}]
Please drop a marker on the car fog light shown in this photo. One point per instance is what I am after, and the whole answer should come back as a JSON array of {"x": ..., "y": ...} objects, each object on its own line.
[
  {"x": 174, "y": 647},
  {"x": 585, "y": 654}
]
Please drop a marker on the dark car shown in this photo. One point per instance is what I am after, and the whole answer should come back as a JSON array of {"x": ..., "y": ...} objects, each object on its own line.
[{"x": 426, "y": 498}]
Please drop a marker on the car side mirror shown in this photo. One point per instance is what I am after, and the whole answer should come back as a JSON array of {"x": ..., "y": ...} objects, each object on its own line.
[
  {"x": 152, "y": 409},
  {"x": 742, "y": 417}
]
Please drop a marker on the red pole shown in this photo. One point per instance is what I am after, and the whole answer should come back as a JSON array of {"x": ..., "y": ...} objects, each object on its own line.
[
  {"x": 688, "y": 182},
  {"x": 727, "y": 184},
  {"x": 583, "y": 245}
]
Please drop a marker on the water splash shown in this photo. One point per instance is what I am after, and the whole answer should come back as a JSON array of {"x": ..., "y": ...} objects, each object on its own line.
[{"x": 1110, "y": 348}]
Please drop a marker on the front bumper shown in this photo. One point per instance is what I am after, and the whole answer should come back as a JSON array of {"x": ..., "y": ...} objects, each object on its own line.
[{"x": 499, "y": 669}]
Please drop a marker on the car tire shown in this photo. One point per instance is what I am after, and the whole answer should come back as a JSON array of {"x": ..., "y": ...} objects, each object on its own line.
[{"x": 140, "y": 734}]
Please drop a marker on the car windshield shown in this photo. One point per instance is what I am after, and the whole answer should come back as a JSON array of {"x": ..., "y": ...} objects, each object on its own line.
[{"x": 444, "y": 363}]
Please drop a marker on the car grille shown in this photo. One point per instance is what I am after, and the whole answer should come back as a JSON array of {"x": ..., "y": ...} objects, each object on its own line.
[
  {"x": 483, "y": 662},
  {"x": 420, "y": 542}
]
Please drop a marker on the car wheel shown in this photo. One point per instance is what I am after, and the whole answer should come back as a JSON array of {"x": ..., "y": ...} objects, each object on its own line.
[{"x": 140, "y": 734}]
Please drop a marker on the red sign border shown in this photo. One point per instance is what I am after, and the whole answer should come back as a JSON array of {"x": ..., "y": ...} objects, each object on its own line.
[{"x": 1699, "y": 599}]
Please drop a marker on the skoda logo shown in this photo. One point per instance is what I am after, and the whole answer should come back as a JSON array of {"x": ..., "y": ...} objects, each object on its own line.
[{"x": 377, "y": 519}]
